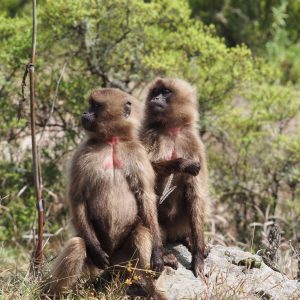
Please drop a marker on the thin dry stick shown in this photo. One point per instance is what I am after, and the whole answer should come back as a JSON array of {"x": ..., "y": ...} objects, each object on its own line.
[
  {"x": 38, "y": 259},
  {"x": 53, "y": 103}
]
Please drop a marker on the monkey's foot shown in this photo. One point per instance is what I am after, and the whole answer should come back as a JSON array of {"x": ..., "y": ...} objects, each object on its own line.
[
  {"x": 156, "y": 262},
  {"x": 136, "y": 290},
  {"x": 198, "y": 264},
  {"x": 170, "y": 259}
]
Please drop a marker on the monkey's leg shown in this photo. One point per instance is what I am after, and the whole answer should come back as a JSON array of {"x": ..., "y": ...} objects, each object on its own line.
[
  {"x": 186, "y": 241},
  {"x": 169, "y": 257},
  {"x": 142, "y": 241},
  {"x": 138, "y": 249},
  {"x": 165, "y": 168},
  {"x": 68, "y": 266}
]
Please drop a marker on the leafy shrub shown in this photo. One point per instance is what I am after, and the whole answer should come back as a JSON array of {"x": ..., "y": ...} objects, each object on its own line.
[{"x": 248, "y": 118}]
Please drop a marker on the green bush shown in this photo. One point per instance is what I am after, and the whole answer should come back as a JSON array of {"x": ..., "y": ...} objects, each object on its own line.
[{"x": 248, "y": 117}]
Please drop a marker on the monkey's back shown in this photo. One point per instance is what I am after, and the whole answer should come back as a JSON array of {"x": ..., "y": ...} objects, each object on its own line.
[{"x": 111, "y": 205}]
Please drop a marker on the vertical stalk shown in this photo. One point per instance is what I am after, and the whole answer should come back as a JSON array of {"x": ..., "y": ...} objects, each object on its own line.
[{"x": 38, "y": 259}]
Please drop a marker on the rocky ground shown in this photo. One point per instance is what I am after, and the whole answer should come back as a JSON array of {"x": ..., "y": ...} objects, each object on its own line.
[{"x": 230, "y": 273}]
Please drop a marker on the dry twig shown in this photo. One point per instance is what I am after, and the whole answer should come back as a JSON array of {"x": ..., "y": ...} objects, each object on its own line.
[{"x": 30, "y": 68}]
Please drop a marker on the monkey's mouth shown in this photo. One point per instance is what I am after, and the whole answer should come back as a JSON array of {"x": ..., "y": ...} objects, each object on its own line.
[{"x": 157, "y": 107}]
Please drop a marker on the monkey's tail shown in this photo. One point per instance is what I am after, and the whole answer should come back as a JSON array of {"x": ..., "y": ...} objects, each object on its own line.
[{"x": 67, "y": 267}]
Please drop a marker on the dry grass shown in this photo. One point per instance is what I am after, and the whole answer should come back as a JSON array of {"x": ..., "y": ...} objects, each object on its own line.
[
  {"x": 15, "y": 280},
  {"x": 17, "y": 284},
  {"x": 221, "y": 288}
]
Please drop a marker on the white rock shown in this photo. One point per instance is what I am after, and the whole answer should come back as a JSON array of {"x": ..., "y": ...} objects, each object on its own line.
[{"x": 225, "y": 279}]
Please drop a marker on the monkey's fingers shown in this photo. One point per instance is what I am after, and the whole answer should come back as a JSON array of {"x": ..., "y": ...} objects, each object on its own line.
[
  {"x": 191, "y": 167},
  {"x": 99, "y": 257},
  {"x": 157, "y": 263},
  {"x": 101, "y": 263},
  {"x": 197, "y": 265},
  {"x": 106, "y": 262}
]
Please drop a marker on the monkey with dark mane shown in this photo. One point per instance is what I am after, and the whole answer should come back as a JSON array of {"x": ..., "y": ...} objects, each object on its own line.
[
  {"x": 111, "y": 195},
  {"x": 169, "y": 132}
]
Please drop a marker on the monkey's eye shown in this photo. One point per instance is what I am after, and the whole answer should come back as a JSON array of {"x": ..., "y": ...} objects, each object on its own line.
[
  {"x": 96, "y": 105},
  {"x": 161, "y": 91},
  {"x": 127, "y": 109},
  {"x": 166, "y": 91},
  {"x": 154, "y": 92}
]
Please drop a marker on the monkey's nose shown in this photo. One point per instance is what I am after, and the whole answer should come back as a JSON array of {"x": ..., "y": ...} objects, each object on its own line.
[
  {"x": 87, "y": 119},
  {"x": 158, "y": 98},
  {"x": 88, "y": 115}
]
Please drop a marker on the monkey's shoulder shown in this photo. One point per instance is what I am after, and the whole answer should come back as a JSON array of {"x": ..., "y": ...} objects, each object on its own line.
[
  {"x": 134, "y": 147},
  {"x": 129, "y": 156},
  {"x": 191, "y": 144}
]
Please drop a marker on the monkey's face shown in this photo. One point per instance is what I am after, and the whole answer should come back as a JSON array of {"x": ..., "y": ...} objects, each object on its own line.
[
  {"x": 159, "y": 98},
  {"x": 171, "y": 101},
  {"x": 111, "y": 112}
]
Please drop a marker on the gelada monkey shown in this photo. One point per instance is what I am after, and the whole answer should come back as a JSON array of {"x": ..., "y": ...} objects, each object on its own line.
[
  {"x": 169, "y": 131},
  {"x": 111, "y": 194}
]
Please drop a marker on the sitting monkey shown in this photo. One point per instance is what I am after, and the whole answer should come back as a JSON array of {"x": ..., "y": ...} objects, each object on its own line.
[
  {"x": 169, "y": 132},
  {"x": 111, "y": 194}
]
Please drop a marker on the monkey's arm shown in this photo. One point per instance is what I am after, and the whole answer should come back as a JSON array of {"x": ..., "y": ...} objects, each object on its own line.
[
  {"x": 197, "y": 199},
  {"x": 93, "y": 247},
  {"x": 179, "y": 165},
  {"x": 147, "y": 211},
  {"x": 196, "y": 193}
]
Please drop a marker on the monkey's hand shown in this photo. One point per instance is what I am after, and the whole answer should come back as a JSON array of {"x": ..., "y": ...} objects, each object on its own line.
[
  {"x": 98, "y": 256},
  {"x": 190, "y": 166},
  {"x": 157, "y": 263},
  {"x": 198, "y": 264}
]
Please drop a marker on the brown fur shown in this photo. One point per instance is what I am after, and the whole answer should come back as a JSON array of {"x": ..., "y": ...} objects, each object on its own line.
[
  {"x": 165, "y": 168},
  {"x": 184, "y": 212},
  {"x": 113, "y": 208}
]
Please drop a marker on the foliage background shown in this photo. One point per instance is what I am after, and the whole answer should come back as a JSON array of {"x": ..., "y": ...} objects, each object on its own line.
[{"x": 244, "y": 59}]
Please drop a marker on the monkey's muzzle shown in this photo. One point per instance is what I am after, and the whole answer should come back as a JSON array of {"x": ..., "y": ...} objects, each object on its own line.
[
  {"x": 158, "y": 104},
  {"x": 88, "y": 119}
]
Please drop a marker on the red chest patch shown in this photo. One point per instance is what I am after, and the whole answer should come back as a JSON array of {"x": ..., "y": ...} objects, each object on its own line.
[
  {"x": 173, "y": 132},
  {"x": 173, "y": 155},
  {"x": 112, "y": 161}
]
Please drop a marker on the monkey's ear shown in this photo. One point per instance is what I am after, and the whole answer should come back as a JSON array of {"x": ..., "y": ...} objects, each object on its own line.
[
  {"x": 127, "y": 109},
  {"x": 157, "y": 80}
]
